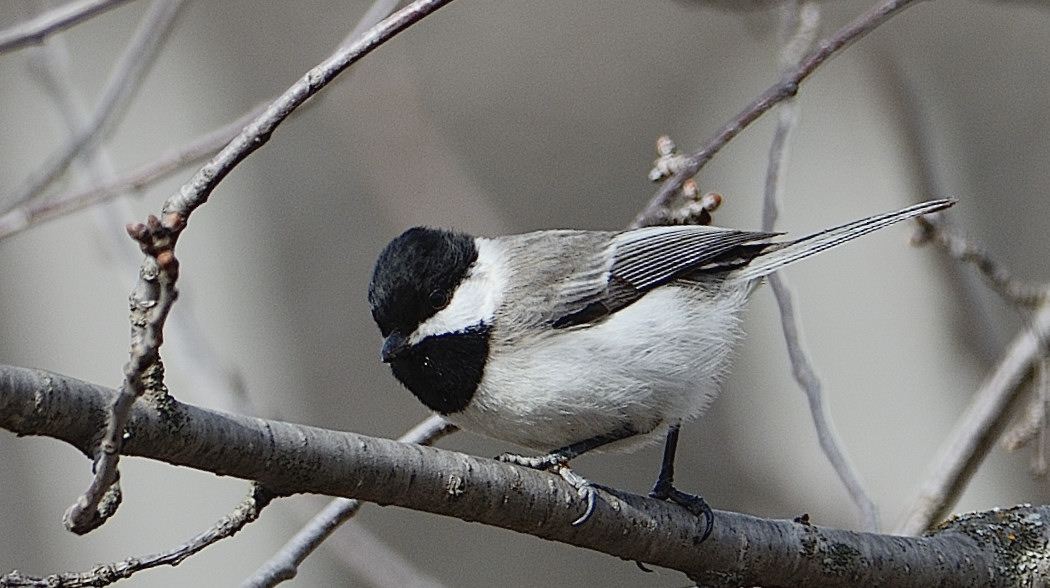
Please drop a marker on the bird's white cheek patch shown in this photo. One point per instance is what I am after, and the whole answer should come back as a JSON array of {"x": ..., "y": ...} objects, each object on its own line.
[{"x": 476, "y": 299}]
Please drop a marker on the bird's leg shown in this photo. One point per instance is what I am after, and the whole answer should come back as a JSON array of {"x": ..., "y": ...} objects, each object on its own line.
[
  {"x": 665, "y": 490},
  {"x": 558, "y": 462},
  {"x": 564, "y": 454}
]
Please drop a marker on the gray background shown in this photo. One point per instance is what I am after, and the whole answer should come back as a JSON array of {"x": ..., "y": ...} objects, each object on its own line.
[{"x": 496, "y": 117}]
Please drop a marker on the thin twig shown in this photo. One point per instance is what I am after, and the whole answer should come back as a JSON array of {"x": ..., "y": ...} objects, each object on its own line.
[
  {"x": 29, "y": 214},
  {"x": 807, "y": 379},
  {"x": 196, "y": 355},
  {"x": 284, "y": 564},
  {"x": 778, "y": 92},
  {"x": 54, "y": 72},
  {"x": 1032, "y": 425},
  {"x": 123, "y": 82},
  {"x": 1018, "y": 293},
  {"x": 85, "y": 514},
  {"x": 379, "y": 10},
  {"x": 1000, "y": 278},
  {"x": 245, "y": 512},
  {"x": 800, "y": 24},
  {"x": 989, "y": 410},
  {"x": 1038, "y": 407},
  {"x": 196, "y": 192},
  {"x": 36, "y": 29},
  {"x": 155, "y": 293},
  {"x": 377, "y": 563},
  {"x": 978, "y": 427}
]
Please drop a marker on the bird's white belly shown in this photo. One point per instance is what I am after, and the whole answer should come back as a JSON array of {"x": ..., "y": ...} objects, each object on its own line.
[{"x": 660, "y": 360}]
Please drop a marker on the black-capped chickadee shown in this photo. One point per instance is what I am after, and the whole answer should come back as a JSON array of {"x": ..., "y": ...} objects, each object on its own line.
[{"x": 566, "y": 341}]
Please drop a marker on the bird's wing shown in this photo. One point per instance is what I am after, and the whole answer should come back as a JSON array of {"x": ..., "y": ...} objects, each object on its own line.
[
  {"x": 643, "y": 259},
  {"x": 646, "y": 258}
]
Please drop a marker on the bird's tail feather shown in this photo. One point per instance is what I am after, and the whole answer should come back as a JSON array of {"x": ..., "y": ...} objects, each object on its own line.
[{"x": 792, "y": 251}]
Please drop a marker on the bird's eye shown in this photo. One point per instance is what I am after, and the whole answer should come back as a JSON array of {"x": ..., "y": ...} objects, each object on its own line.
[{"x": 438, "y": 299}]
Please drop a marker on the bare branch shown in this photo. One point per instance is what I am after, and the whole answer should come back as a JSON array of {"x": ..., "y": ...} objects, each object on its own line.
[
  {"x": 285, "y": 563},
  {"x": 123, "y": 82},
  {"x": 996, "y": 549},
  {"x": 196, "y": 192},
  {"x": 29, "y": 214},
  {"x": 151, "y": 301},
  {"x": 785, "y": 88},
  {"x": 36, "y": 29},
  {"x": 102, "y": 497},
  {"x": 800, "y": 26},
  {"x": 103, "y": 575},
  {"x": 1032, "y": 425},
  {"x": 978, "y": 427},
  {"x": 155, "y": 293},
  {"x": 998, "y": 276},
  {"x": 993, "y": 403}
]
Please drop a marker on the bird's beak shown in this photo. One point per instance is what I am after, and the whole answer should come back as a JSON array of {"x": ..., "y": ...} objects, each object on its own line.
[{"x": 394, "y": 345}]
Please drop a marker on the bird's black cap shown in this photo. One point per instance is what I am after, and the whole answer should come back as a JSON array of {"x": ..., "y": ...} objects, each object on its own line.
[{"x": 416, "y": 275}]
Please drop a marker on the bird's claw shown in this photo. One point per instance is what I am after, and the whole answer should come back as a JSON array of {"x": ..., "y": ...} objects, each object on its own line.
[
  {"x": 558, "y": 464},
  {"x": 693, "y": 503},
  {"x": 584, "y": 489}
]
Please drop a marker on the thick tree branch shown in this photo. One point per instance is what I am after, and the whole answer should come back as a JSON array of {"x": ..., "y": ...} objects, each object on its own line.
[
  {"x": 284, "y": 564},
  {"x": 743, "y": 550}
]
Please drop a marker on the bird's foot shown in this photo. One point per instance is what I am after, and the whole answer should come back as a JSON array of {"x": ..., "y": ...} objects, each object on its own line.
[
  {"x": 536, "y": 462},
  {"x": 693, "y": 503},
  {"x": 559, "y": 464}
]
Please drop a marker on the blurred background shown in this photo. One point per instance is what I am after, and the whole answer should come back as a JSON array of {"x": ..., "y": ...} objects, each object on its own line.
[{"x": 508, "y": 117}]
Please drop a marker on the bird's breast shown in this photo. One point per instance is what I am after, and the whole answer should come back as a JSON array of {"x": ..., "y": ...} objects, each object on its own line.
[{"x": 661, "y": 359}]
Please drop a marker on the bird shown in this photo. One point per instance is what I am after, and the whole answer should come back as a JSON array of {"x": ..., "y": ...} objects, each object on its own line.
[{"x": 568, "y": 341}]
